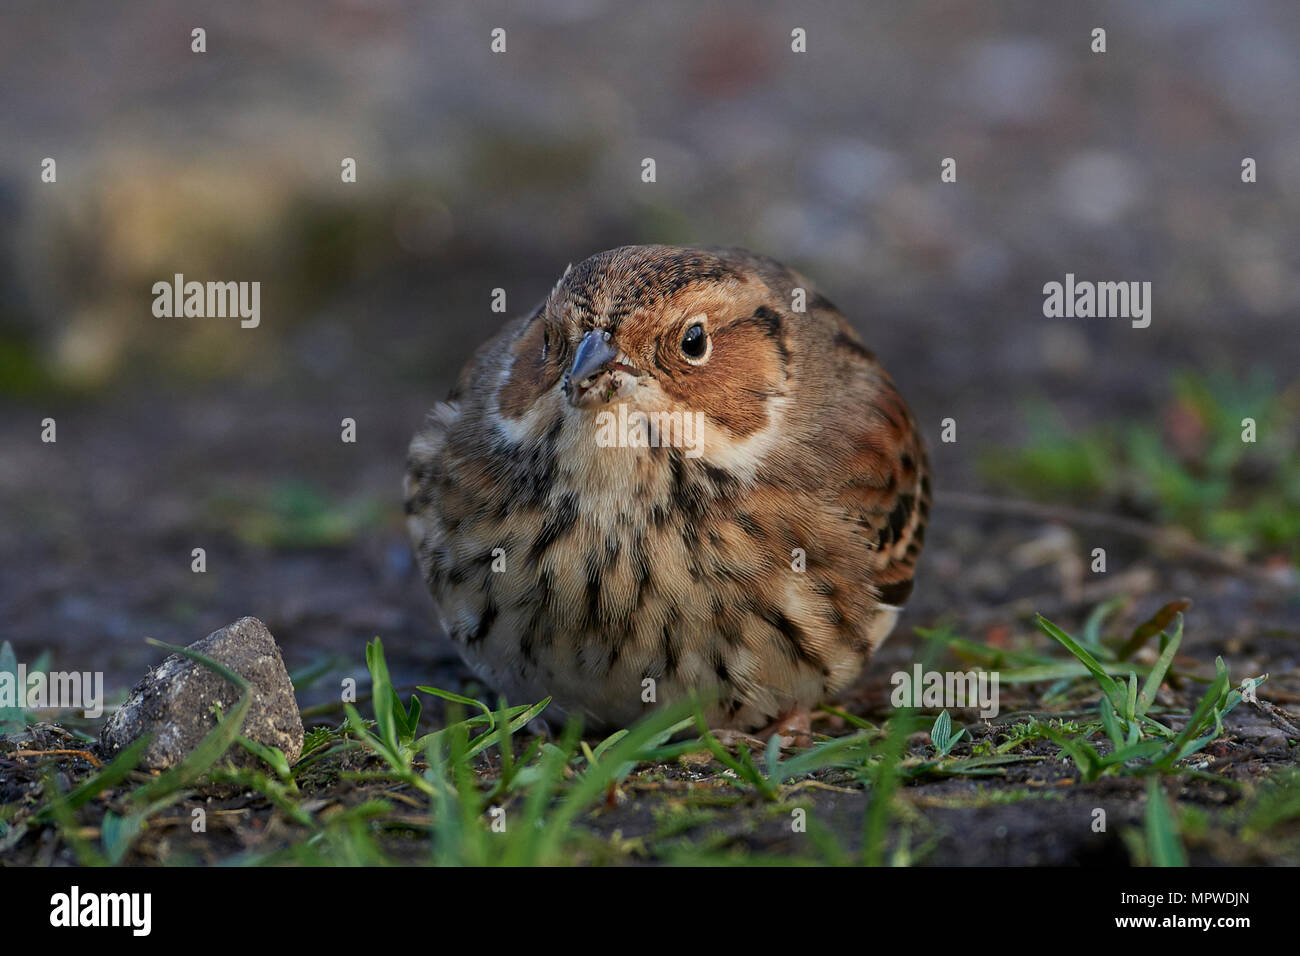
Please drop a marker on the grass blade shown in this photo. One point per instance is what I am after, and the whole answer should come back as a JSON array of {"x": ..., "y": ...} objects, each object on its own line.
[
  {"x": 1108, "y": 685},
  {"x": 1163, "y": 844}
]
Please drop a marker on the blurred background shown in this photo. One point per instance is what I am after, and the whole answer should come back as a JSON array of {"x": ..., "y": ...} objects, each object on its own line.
[{"x": 478, "y": 170}]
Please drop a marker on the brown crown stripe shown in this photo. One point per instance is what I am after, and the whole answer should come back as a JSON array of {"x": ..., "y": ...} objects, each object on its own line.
[{"x": 630, "y": 277}]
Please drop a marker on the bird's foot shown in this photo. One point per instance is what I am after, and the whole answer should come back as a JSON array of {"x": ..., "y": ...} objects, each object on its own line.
[
  {"x": 729, "y": 737},
  {"x": 794, "y": 728}
]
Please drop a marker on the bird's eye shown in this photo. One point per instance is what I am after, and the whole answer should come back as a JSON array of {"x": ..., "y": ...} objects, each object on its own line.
[{"x": 695, "y": 342}]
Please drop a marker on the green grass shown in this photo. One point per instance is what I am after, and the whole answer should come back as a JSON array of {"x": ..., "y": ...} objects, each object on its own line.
[
  {"x": 1138, "y": 742},
  {"x": 1133, "y": 740},
  {"x": 293, "y": 515},
  {"x": 14, "y": 719},
  {"x": 480, "y": 789},
  {"x": 1193, "y": 471},
  {"x": 1164, "y": 848}
]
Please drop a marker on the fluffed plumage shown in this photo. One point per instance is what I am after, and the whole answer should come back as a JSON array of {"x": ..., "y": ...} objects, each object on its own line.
[{"x": 760, "y": 559}]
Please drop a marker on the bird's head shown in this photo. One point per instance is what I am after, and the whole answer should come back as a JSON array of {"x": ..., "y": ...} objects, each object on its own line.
[{"x": 658, "y": 328}]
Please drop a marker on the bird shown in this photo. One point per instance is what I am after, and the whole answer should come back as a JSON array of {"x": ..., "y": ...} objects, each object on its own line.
[{"x": 753, "y": 556}]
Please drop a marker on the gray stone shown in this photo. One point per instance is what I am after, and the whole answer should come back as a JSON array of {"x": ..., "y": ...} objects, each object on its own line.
[{"x": 175, "y": 700}]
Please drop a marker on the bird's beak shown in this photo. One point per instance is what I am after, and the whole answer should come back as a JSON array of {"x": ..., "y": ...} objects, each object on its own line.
[{"x": 594, "y": 353}]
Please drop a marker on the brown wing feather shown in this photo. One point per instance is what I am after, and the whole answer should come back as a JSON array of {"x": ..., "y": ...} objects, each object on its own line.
[
  {"x": 886, "y": 487},
  {"x": 883, "y": 466}
]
